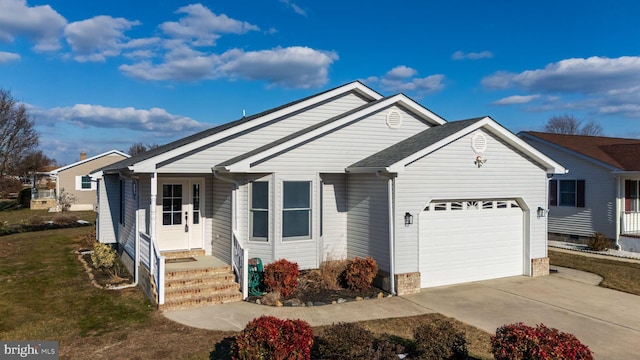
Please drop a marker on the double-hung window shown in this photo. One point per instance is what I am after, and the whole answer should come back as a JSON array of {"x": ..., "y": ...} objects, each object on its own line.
[
  {"x": 83, "y": 183},
  {"x": 260, "y": 210},
  {"x": 296, "y": 210},
  {"x": 567, "y": 193}
]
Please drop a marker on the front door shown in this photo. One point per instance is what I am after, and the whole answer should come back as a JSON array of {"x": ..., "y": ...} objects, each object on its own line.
[{"x": 179, "y": 214}]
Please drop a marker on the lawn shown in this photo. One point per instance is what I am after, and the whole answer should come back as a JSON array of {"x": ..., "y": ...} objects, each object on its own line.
[{"x": 617, "y": 275}]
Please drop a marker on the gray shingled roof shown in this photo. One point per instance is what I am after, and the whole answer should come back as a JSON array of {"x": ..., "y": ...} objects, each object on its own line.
[
  {"x": 414, "y": 144},
  {"x": 201, "y": 135}
]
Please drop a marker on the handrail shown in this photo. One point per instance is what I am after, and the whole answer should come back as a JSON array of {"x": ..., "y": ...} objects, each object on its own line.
[
  {"x": 240, "y": 264},
  {"x": 630, "y": 222},
  {"x": 152, "y": 260},
  {"x": 159, "y": 272}
]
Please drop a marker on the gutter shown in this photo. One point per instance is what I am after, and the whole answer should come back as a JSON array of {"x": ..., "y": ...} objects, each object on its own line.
[{"x": 391, "y": 184}]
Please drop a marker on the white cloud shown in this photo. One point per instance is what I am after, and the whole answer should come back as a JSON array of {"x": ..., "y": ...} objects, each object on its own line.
[
  {"x": 297, "y": 9},
  {"x": 87, "y": 115},
  {"x": 402, "y": 79},
  {"x": 99, "y": 37},
  {"x": 6, "y": 57},
  {"x": 40, "y": 24},
  {"x": 459, "y": 55},
  {"x": 577, "y": 75},
  {"x": 203, "y": 27},
  {"x": 401, "y": 72},
  {"x": 293, "y": 67},
  {"x": 516, "y": 99}
]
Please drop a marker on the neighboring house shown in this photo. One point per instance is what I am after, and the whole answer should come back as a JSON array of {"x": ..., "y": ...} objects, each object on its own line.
[
  {"x": 343, "y": 173},
  {"x": 75, "y": 181},
  {"x": 600, "y": 192}
]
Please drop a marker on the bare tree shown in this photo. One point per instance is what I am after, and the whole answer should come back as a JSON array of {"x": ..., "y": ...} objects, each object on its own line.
[
  {"x": 17, "y": 134},
  {"x": 568, "y": 124},
  {"x": 35, "y": 161},
  {"x": 139, "y": 148}
]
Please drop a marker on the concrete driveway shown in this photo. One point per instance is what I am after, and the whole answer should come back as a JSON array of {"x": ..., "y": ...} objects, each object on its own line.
[{"x": 608, "y": 321}]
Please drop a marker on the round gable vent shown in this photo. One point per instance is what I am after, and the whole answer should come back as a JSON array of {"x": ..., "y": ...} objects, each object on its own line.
[
  {"x": 394, "y": 119},
  {"x": 479, "y": 143}
]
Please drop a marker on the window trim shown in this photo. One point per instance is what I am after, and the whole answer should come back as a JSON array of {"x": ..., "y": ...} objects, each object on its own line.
[
  {"x": 252, "y": 210},
  {"x": 79, "y": 183},
  {"x": 309, "y": 210},
  {"x": 555, "y": 192},
  {"x": 632, "y": 195}
]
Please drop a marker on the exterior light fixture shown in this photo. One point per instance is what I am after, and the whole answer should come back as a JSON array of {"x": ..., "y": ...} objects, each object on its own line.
[
  {"x": 480, "y": 161},
  {"x": 541, "y": 212},
  {"x": 408, "y": 219}
]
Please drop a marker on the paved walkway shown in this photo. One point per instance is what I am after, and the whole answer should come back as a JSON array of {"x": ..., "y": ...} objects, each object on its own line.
[{"x": 608, "y": 321}]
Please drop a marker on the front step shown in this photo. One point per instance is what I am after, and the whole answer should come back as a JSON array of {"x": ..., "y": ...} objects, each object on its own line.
[{"x": 194, "y": 285}]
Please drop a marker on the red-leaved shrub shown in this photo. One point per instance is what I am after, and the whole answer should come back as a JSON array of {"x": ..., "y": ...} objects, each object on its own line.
[
  {"x": 360, "y": 273},
  {"x": 281, "y": 276},
  {"x": 519, "y": 341},
  {"x": 270, "y": 338}
]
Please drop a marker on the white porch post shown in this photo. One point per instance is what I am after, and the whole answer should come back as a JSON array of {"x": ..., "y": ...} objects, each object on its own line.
[{"x": 152, "y": 206}]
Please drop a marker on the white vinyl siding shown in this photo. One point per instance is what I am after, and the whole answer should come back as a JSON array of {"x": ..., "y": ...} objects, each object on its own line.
[
  {"x": 368, "y": 218},
  {"x": 108, "y": 209},
  {"x": 334, "y": 216},
  {"x": 221, "y": 219},
  {"x": 598, "y": 215},
  {"x": 202, "y": 161},
  {"x": 450, "y": 173},
  {"x": 336, "y": 150}
]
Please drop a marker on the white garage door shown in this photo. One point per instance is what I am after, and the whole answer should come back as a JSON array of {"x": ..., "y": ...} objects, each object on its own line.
[{"x": 463, "y": 241}]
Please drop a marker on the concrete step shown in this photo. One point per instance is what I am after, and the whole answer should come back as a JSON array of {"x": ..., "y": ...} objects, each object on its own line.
[
  {"x": 187, "y": 282},
  {"x": 170, "y": 255},
  {"x": 201, "y": 291},
  {"x": 197, "y": 301},
  {"x": 196, "y": 273}
]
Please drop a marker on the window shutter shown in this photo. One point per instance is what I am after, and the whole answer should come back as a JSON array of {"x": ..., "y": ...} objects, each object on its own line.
[
  {"x": 627, "y": 195},
  {"x": 78, "y": 182},
  {"x": 553, "y": 193},
  {"x": 580, "y": 193}
]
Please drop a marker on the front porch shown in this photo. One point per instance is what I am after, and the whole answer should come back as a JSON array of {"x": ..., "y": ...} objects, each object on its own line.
[{"x": 192, "y": 279}]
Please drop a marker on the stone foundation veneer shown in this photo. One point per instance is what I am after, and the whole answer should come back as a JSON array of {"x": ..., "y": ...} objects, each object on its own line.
[
  {"x": 540, "y": 266},
  {"x": 408, "y": 283}
]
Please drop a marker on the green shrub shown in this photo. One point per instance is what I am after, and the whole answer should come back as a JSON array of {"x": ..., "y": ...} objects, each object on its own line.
[
  {"x": 598, "y": 242},
  {"x": 440, "y": 340},
  {"x": 519, "y": 341},
  {"x": 281, "y": 276},
  {"x": 270, "y": 338},
  {"x": 360, "y": 273}
]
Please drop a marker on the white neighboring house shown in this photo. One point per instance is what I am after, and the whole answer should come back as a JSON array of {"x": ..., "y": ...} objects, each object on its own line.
[
  {"x": 343, "y": 173},
  {"x": 600, "y": 193},
  {"x": 74, "y": 178}
]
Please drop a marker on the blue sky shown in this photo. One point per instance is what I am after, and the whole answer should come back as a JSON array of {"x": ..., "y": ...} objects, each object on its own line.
[{"x": 105, "y": 74}]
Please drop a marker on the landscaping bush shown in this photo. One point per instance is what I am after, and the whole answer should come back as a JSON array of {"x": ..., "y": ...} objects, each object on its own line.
[
  {"x": 440, "y": 340},
  {"x": 519, "y": 341},
  {"x": 281, "y": 276},
  {"x": 344, "y": 341},
  {"x": 598, "y": 242},
  {"x": 271, "y": 338},
  {"x": 331, "y": 272},
  {"x": 360, "y": 273},
  {"x": 103, "y": 256},
  {"x": 64, "y": 219},
  {"x": 24, "y": 198}
]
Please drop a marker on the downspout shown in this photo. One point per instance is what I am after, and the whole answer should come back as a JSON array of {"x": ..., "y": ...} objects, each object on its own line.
[
  {"x": 619, "y": 212},
  {"x": 391, "y": 182}
]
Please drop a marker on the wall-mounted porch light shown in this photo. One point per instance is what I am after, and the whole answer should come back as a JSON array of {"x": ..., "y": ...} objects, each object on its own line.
[
  {"x": 408, "y": 219},
  {"x": 541, "y": 212}
]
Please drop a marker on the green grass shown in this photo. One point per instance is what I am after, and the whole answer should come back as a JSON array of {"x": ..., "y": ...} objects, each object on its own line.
[{"x": 617, "y": 275}]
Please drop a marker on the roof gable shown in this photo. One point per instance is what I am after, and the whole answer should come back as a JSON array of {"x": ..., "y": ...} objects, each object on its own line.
[
  {"x": 147, "y": 162},
  {"x": 396, "y": 157},
  {"x": 87, "y": 160},
  {"x": 617, "y": 153},
  {"x": 245, "y": 161}
]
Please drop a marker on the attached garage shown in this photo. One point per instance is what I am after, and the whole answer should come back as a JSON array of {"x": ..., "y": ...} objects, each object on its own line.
[{"x": 470, "y": 240}]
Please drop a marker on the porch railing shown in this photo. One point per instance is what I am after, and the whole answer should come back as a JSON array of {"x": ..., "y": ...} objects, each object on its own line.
[
  {"x": 631, "y": 223},
  {"x": 152, "y": 260},
  {"x": 240, "y": 259},
  {"x": 43, "y": 194}
]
